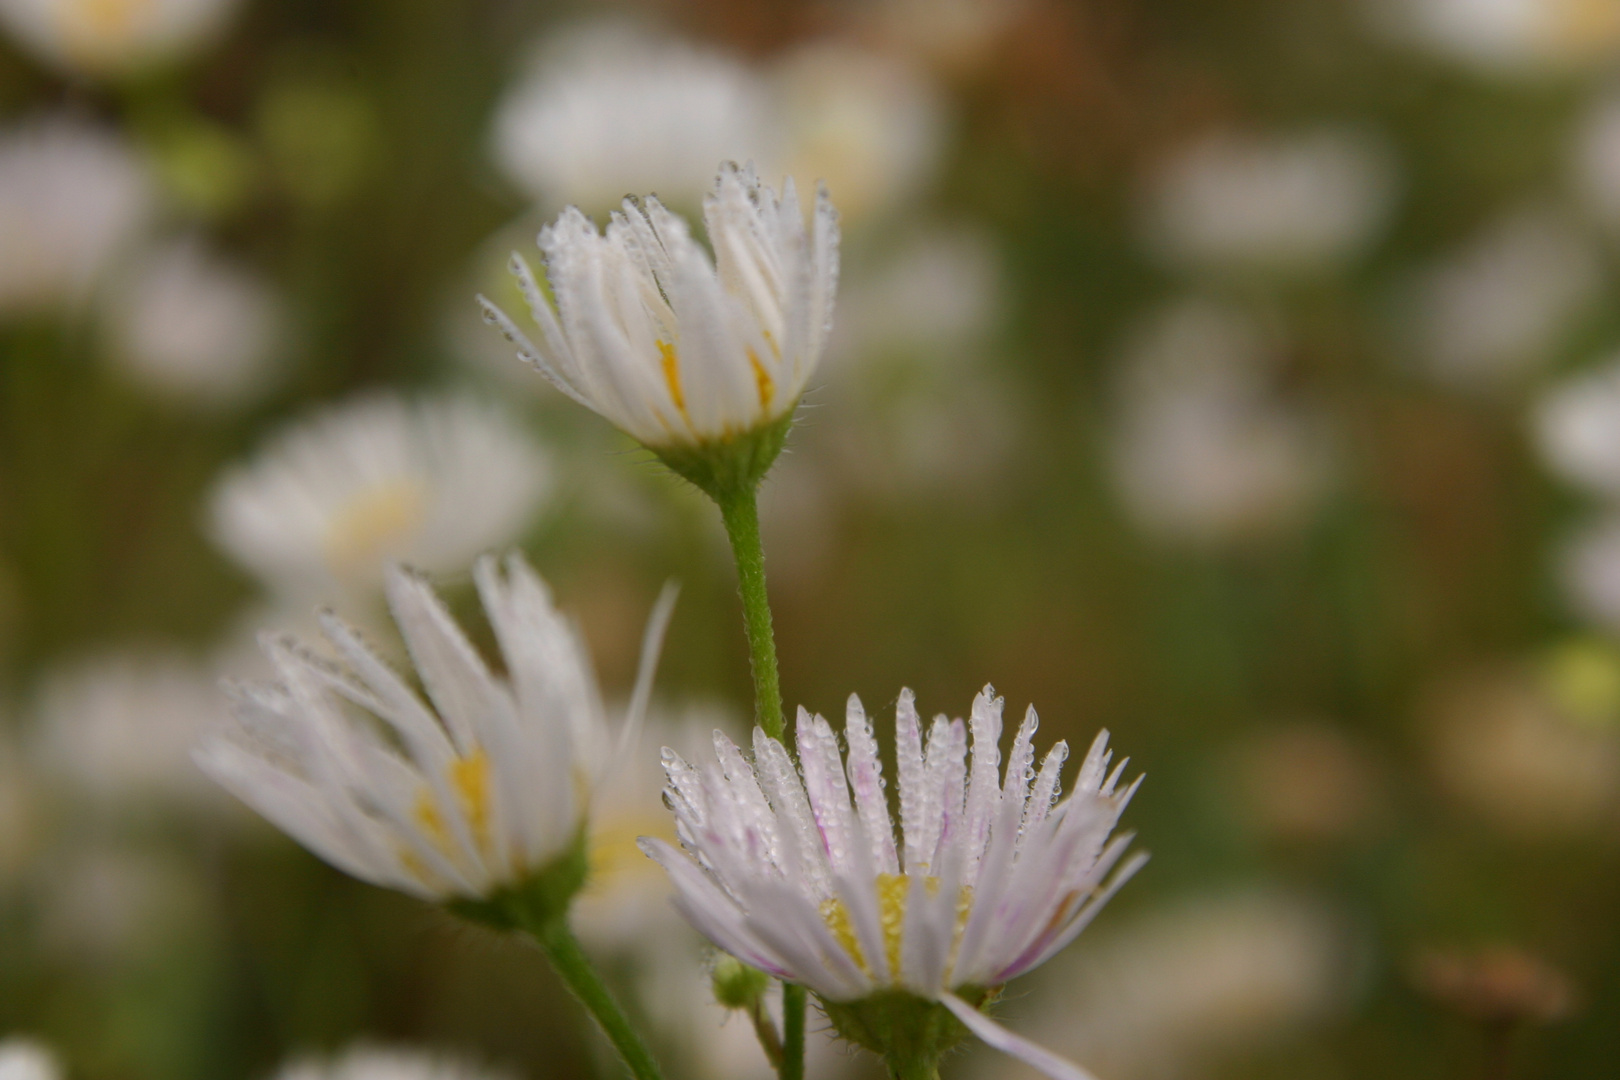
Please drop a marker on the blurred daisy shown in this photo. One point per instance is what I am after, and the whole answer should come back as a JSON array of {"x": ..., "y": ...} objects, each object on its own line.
[
  {"x": 113, "y": 37},
  {"x": 72, "y": 195},
  {"x": 865, "y": 124},
  {"x": 1596, "y": 158},
  {"x": 25, "y": 1059},
  {"x": 193, "y": 326},
  {"x": 1506, "y": 37},
  {"x": 1172, "y": 992},
  {"x": 607, "y": 110},
  {"x": 1292, "y": 203},
  {"x": 388, "y": 1063},
  {"x": 328, "y": 502},
  {"x": 482, "y": 789},
  {"x": 1498, "y": 308},
  {"x": 676, "y": 349},
  {"x": 118, "y": 730},
  {"x": 105, "y": 902},
  {"x": 1202, "y": 450},
  {"x": 937, "y": 296},
  {"x": 986, "y": 881},
  {"x": 1577, "y": 427}
]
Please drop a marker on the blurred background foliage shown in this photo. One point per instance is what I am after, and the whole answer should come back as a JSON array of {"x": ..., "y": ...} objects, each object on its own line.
[{"x": 1193, "y": 380}]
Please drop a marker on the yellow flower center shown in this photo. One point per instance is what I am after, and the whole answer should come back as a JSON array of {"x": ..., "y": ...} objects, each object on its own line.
[
  {"x": 374, "y": 525},
  {"x": 672, "y": 377},
  {"x": 469, "y": 784},
  {"x": 891, "y": 895}
]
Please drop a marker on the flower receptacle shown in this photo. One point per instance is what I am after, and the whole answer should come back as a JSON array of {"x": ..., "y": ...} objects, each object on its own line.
[
  {"x": 538, "y": 900},
  {"x": 909, "y": 1032},
  {"x": 732, "y": 466}
]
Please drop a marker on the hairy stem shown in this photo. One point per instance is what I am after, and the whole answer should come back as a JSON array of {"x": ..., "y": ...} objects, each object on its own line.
[
  {"x": 740, "y": 512},
  {"x": 575, "y": 969},
  {"x": 793, "y": 1007}
]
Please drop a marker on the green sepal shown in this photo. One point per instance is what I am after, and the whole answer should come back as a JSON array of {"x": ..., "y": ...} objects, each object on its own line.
[
  {"x": 539, "y": 899},
  {"x": 910, "y": 1033},
  {"x": 724, "y": 468}
]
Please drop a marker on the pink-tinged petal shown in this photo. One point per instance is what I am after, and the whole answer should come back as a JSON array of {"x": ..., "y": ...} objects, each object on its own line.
[
  {"x": 1013, "y": 1045},
  {"x": 781, "y": 782},
  {"x": 866, "y": 781},
  {"x": 1082, "y": 919},
  {"x": 829, "y": 794},
  {"x": 984, "y": 782},
  {"x": 909, "y": 768},
  {"x": 1046, "y": 785}
]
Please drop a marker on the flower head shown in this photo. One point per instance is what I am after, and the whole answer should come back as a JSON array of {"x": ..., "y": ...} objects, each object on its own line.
[
  {"x": 808, "y": 880},
  {"x": 481, "y": 789},
  {"x": 387, "y": 1063},
  {"x": 610, "y": 108},
  {"x": 329, "y": 502},
  {"x": 72, "y": 196},
  {"x": 112, "y": 37},
  {"x": 684, "y": 352}
]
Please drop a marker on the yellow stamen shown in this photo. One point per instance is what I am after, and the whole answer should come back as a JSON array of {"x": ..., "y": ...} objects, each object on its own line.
[
  {"x": 672, "y": 377},
  {"x": 767, "y": 388},
  {"x": 374, "y": 525},
  {"x": 469, "y": 777},
  {"x": 891, "y": 895}
]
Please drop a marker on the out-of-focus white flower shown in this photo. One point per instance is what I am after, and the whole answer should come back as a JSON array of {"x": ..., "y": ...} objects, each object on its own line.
[
  {"x": 987, "y": 880},
  {"x": 1577, "y": 427},
  {"x": 1512, "y": 38},
  {"x": 1284, "y": 203},
  {"x": 25, "y": 1059},
  {"x": 1202, "y": 449},
  {"x": 677, "y": 349},
  {"x": 610, "y": 110},
  {"x": 476, "y": 794},
  {"x": 1596, "y": 155},
  {"x": 102, "y": 902},
  {"x": 867, "y": 125},
  {"x": 1496, "y": 309},
  {"x": 935, "y": 297},
  {"x": 1500, "y": 746},
  {"x": 119, "y": 728},
  {"x": 113, "y": 37},
  {"x": 328, "y": 502},
  {"x": 193, "y": 326},
  {"x": 1165, "y": 995},
  {"x": 388, "y": 1063},
  {"x": 71, "y": 196}
]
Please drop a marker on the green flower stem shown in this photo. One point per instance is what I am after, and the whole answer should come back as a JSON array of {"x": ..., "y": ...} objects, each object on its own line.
[
  {"x": 740, "y": 511},
  {"x": 575, "y": 969},
  {"x": 793, "y": 1004}
]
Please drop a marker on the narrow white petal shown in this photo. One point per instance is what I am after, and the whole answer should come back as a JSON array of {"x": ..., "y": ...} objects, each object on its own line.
[
  {"x": 994, "y": 1035},
  {"x": 909, "y": 768},
  {"x": 866, "y": 781}
]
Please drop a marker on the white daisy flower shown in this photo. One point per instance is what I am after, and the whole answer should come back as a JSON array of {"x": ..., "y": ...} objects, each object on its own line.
[
  {"x": 25, "y": 1059},
  {"x": 482, "y": 789},
  {"x": 1499, "y": 308},
  {"x": 611, "y": 109},
  {"x": 679, "y": 350},
  {"x": 330, "y": 501},
  {"x": 1203, "y": 450},
  {"x": 72, "y": 196},
  {"x": 987, "y": 879},
  {"x": 193, "y": 326},
  {"x": 1296, "y": 202},
  {"x": 387, "y": 1063},
  {"x": 118, "y": 729},
  {"x": 1513, "y": 38},
  {"x": 112, "y": 37},
  {"x": 1577, "y": 427}
]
